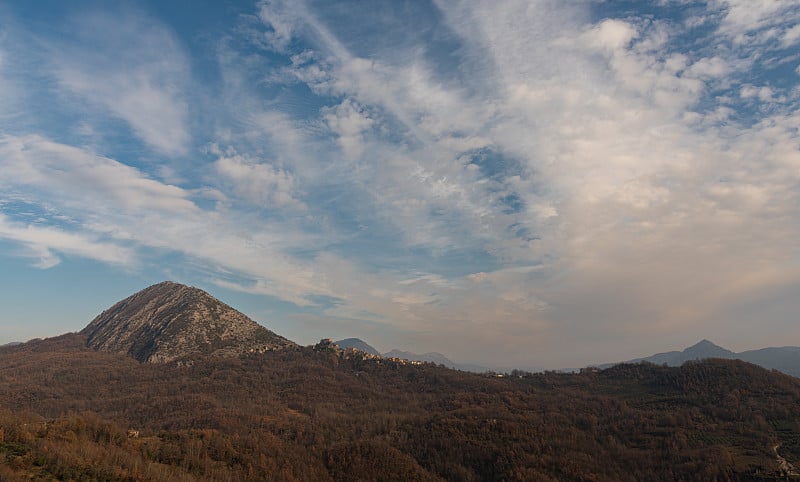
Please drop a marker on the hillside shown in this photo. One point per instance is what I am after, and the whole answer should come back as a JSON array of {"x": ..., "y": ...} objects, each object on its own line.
[
  {"x": 306, "y": 414},
  {"x": 169, "y": 321}
]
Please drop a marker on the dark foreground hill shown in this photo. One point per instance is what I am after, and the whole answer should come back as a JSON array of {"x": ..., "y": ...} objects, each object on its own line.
[{"x": 72, "y": 413}]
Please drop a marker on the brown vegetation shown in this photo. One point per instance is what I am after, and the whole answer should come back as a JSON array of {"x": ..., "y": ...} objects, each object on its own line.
[{"x": 302, "y": 414}]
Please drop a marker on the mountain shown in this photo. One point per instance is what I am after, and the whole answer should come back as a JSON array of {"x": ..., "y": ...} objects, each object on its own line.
[
  {"x": 699, "y": 351},
  {"x": 357, "y": 344},
  {"x": 436, "y": 358},
  {"x": 170, "y": 321},
  {"x": 785, "y": 359},
  {"x": 432, "y": 357}
]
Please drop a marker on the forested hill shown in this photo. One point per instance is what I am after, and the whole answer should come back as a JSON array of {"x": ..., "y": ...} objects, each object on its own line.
[{"x": 307, "y": 413}]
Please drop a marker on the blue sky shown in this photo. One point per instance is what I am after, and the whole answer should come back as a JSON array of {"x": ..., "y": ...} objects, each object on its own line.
[{"x": 522, "y": 183}]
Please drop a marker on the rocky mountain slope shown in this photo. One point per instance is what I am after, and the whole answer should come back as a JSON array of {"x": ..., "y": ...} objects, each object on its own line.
[{"x": 170, "y": 321}]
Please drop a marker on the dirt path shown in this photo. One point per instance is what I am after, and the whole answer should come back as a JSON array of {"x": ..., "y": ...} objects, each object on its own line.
[{"x": 785, "y": 466}]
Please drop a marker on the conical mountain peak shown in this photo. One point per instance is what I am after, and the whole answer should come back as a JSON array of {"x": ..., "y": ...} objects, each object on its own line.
[
  {"x": 170, "y": 321},
  {"x": 707, "y": 349},
  {"x": 705, "y": 343}
]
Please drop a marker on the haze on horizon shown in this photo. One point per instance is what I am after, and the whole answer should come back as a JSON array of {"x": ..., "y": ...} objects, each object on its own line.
[{"x": 524, "y": 183}]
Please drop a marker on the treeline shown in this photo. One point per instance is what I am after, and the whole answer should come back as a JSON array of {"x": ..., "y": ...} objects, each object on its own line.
[{"x": 319, "y": 415}]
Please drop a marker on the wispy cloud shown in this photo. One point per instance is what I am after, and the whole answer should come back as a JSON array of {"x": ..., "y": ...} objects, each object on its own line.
[
  {"x": 121, "y": 204},
  {"x": 135, "y": 68},
  {"x": 42, "y": 243},
  {"x": 75, "y": 177},
  {"x": 257, "y": 182},
  {"x": 742, "y": 18}
]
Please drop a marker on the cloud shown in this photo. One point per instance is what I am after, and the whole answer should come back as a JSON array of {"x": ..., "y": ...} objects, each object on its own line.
[
  {"x": 611, "y": 35},
  {"x": 709, "y": 68},
  {"x": 349, "y": 121},
  {"x": 76, "y": 175},
  {"x": 791, "y": 36},
  {"x": 742, "y": 17},
  {"x": 119, "y": 204},
  {"x": 135, "y": 68},
  {"x": 423, "y": 197},
  {"x": 282, "y": 23},
  {"x": 42, "y": 242},
  {"x": 257, "y": 182},
  {"x": 764, "y": 94}
]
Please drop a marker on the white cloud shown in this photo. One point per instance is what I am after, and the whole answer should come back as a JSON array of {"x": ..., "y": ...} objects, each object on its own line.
[
  {"x": 115, "y": 203},
  {"x": 136, "y": 69},
  {"x": 744, "y": 16},
  {"x": 349, "y": 121},
  {"x": 258, "y": 182},
  {"x": 41, "y": 164},
  {"x": 611, "y": 35},
  {"x": 709, "y": 68},
  {"x": 282, "y": 23},
  {"x": 791, "y": 36},
  {"x": 763, "y": 93},
  {"x": 42, "y": 242}
]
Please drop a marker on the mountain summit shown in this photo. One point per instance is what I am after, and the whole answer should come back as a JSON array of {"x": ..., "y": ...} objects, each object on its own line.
[
  {"x": 170, "y": 321},
  {"x": 699, "y": 351},
  {"x": 706, "y": 349}
]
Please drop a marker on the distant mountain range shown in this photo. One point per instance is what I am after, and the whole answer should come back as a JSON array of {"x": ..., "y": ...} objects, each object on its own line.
[
  {"x": 170, "y": 321},
  {"x": 357, "y": 344},
  {"x": 785, "y": 359},
  {"x": 431, "y": 357}
]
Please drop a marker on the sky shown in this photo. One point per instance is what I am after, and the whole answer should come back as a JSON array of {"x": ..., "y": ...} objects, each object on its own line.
[{"x": 512, "y": 183}]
